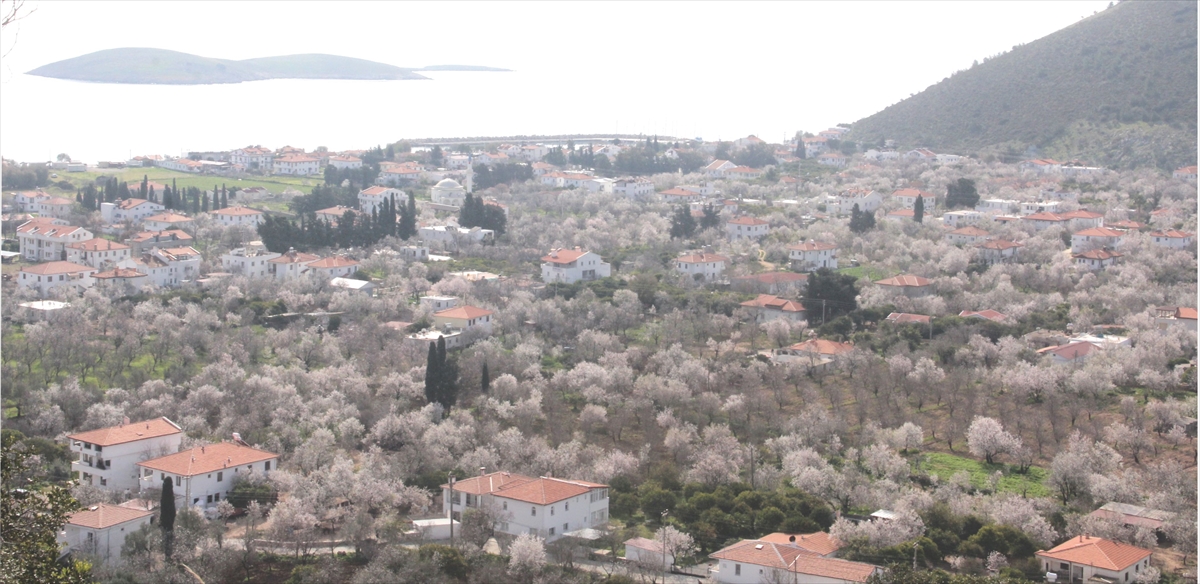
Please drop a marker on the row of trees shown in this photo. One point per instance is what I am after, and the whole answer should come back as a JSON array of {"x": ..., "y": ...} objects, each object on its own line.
[
  {"x": 486, "y": 177},
  {"x": 352, "y": 229},
  {"x": 441, "y": 376},
  {"x": 684, "y": 225},
  {"x": 476, "y": 212}
]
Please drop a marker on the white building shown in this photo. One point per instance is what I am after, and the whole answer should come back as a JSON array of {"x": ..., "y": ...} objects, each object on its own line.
[
  {"x": 353, "y": 285},
  {"x": 54, "y": 275},
  {"x": 634, "y": 188},
  {"x": 813, "y": 255},
  {"x": 717, "y": 168},
  {"x": 753, "y": 561},
  {"x": 334, "y": 266},
  {"x": 836, "y": 159},
  {"x": 767, "y": 307},
  {"x": 100, "y": 531},
  {"x": 708, "y": 266},
  {"x": 998, "y": 251},
  {"x": 107, "y": 458},
  {"x": 907, "y": 198},
  {"x": 746, "y": 227},
  {"x": 648, "y": 552},
  {"x": 167, "y": 222},
  {"x": 395, "y": 174},
  {"x": 371, "y": 199},
  {"x": 1096, "y": 259},
  {"x": 204, "y": 475},
  {"x": 1092, "y": 559},
  {"x": 438, "y": 303},
  {"x": 251, "y": 261},
  {"x": 453, "y": 234},
  {"x": 121, "y": 281},
  {"x": 544, "y": 507},
  {"x": 1177, "y": 316},
  {"x": 961, "y": 218},
  {"x": 463, "y": 318},
  {"x": 1173, "y": 239},
  {"x": 1032, "y": 207},
  {"x": 290, "y": 264},
  {"x": 297, "y": 165},
  {"x": 843, "y": 203},
  {"x": 448, "y": 192},
  {"x": 182, "y": 265},
  {"x": 253, "y": 157},
  {"x": 237, "y": 215},
  {"x": 344, "y": 162},
  {"x": 569, "y": 266},
  {"x": 45, "y": 240},
  {"x": 967, "y": 235},
  {"x": 998, "y": 206},
  {"x": 98, "y": 253},
  {"x": 131, "y": 210},
  {"x": 1095, "y": 237}
]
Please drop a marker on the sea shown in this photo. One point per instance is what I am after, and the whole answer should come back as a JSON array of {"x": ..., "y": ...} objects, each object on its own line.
[{"x": 42, "y": 117}]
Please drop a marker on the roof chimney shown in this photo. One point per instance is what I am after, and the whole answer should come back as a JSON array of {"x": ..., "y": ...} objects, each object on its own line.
[
  {"x": 792, "y": 538},
  {"x": 482, "y": 470}
]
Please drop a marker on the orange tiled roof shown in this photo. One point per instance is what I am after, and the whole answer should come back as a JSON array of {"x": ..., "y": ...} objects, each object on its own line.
[
  {"x": 488, "y": 483},
  {"x": 237, "y": 211},
  {"x": 119, "y": 274},
  {"x": 131, "y": 203},
  {"x": 988, "y": 314},
  {"x": 1098, "y": 552},
  {"x": 813, "y": 246},
  {"x": 128, "y": 432},
  {"x": 169, "y": 218},
  {"x": 1100, "y": 232},
  {"x": 1000, "y": 244},
  {"x": 774, "y": 303},
  {"x": 910, "y": 192},
  {"x": 774, "y": 278},
  {"x": 563, "y": 256},
  {"x": 544, "y": 491},
  {"x": 464, "y": 312},
  {"x": 679, "y": 192},
  {"x": 905, "y": 317},
  {"x": 1171, "y": 233},
  {"x": 206, "y": 459},
  {"x": 333, "y": 262},
  {"x": 98, "y": 244},
  {"x": 53, "y": 268},
  {"x": 700, "y": 258},
  {"x": 794, "y": 559},
  {"x": 104, "y": 515},
  {"x": 1097, "y": 254},
  {"x": 820, "y": 543},
  {"x": 1045, "y": 216},
  {"x": 747, "y": 220},
  {"x": 905, "y": 280},
  {"x": 822, "y": 347}
]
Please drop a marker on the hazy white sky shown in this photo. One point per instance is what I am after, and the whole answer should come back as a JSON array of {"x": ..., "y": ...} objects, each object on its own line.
[{"x": 850, "y": 59}]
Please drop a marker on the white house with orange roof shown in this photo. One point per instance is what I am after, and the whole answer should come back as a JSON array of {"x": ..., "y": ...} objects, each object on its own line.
[
  {"x": 296, "y": 165},
  {"x": 775, "y": 559},
  {"x": 120, "y": 281},
  {"x": 746, "y": 227},
  {"x": 842, "y": 203},
  {"x": 921, "y": 154},
  {"x": 1084, "y": 219},
  {"x": 57, "y": 207},
  {"x": 45, "y": 239},
  {"x": 1093, "y": 559},
  {"x": 747, "y": 142},
  {"x": 253, "y": 157},
  {"x": 28, "y": 201},
  {"x": 998, "y": 206},
  {"x": 1176, "y": 316},
  {"x": 544, "y": 507},
  {"x": 98, "y": 253},
  {"x": 836, "y": 159},
  {"x": 395, "y": 174},
  {"x": 743, "y": 173},
  {"x": 987, "y": 314},
  {"x": 1173, "y": 239},
  {"x": 131, "y": 210},
  {"x": 182, "y": 165},
  {"x": 205, "y": 475},
  {"x": 290, "y": 264},
  {"x": 1095, "y": 237},
  {"x": 464, "y": 318},
  {"x": 1032, "y": 207},
  {"x": 107, "y": 458},
  {"x": 907, "y": 285},
  {"x": 816, "y": 353},
  {"x": 707, "y": 266},
  {"x": 55, "y": 275},
  {"x": 252, "y": 261},
  {"x": 812, "y": 255},
  {"x": 907, "y": 198},
  {"x": 967, "y": 235},
  {"x": 717, "y": 168},
  {"x": 334, "y": 266},
  {"x": 147, "y": 240},
  {"x": 100, "y": 531},
  {"x": 1185, "y": 173},
  {"x": 341, "y": 162},
  {"x": 167, "y": 221},
  {"x": 237, "y": 215},
  {"x": 182, "y": 263},
  {"x": 1046, "y": 220},
  {"x": 767, "y": 307},
  {"x": 634, "y": 188},
  {"x": 1096, "y": 259},
  {"x": 371, "y": 198},
  {"x": 998, "y": 251},
  {"x": 573, "y": 265},
  {"x": 334, "y": 214}
]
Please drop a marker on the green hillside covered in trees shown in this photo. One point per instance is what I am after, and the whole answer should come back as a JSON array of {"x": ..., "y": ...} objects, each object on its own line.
[{"x": 1117, "y": 89}]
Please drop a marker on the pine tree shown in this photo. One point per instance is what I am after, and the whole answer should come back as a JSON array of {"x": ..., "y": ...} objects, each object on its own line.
[
  {"x": 195, "y": 196},
  {"x": 919, "y": 209},
  {"x": 79, "y": 196},
  {"x": 682, "y": 223},
  {"x": 711, "y": 218},
  {"x": 166, "y": 519},
  {"x": 408, "y": 219}
]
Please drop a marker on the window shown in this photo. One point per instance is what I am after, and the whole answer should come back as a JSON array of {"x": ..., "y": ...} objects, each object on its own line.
[
  {"x": 208, "y": 499},
  {"x": 267, "y": 465},
  {"x": 552, "y": 510},
  {"x": 552, "y": 533},
  {"x": 220, "y": 476},
  {"x": 504, "y": 505},
  {"x": 737, "y": 569},
  {"x": 1064, "y": 566},
  {"x": 564, "y": 528},
  {"x": 179, "y": 482},
  {"x": 566, "y": 506}
]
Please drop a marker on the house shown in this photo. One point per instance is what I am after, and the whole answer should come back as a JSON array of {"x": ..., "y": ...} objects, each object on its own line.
[
  {"x": 397, "y": 174},
  {"x": 743, "y": 173},
  {"x": 748, "y": 141},
  {"x": 107, "y": 458},
  {"x": 131, "y": 210},
  {"x": 453, "y": 234},
  {"x": 1032, "y": 207},
  {"x": 100, "y": 531},
  {"x": 958, "y": 219},
  {"x": 813, "y": 255},
  {"x": 1072, "y": 352},
  {"x": 907, "y": 318},
  {"x": 544, "y": 507},
  {"x": 754, "y": 561},
  {"x": 489, "y": 159},
  {"x": 772, "y": 282},
  {"x": 901, "y": 215},
  {"x": 448, "y": 192},
  {"x": 1173, "y": 239},
  {"x": 567, "y": 180},
  {"x": 680, "y": 195},
  {"x": 167, "y": 222},
  {"x": 1133, "y": 515},
  {"x": 44, "y": 239},
  {"x": 1041, "y": 165},
  {"x": 1181, "y": 316},
  {"x": 1164, "y": 216},
  {"x": 534, "y": 152},
  {"x": 147, "y": 240},
  {"x": 463, "y": 318},
  {"x": 345, "y": 162},
  {"x": 997, "y": 251},
  {"x": 1093, "y": 559},
  {"x": 542, "y": 168},
  {"x": 238, "y": 215},
  {"x": 908, "y": 285},
  {"x": 634, "y": 188},
  {"x": 54, "y": 275},
  {"x": 881, "y": 155},
  {"x": 204, "y": 475},
  {"x": 836, "y": 159},
  {"x": 843, "y": 203},
  {"x": 371, "y": 199},
  {"x": 290, "y": 264},
  {"x": 334, "y": 266},
  {"x": 57, "y": 207},
  {"x": 746, "y": 227},
  {"x": 921, "y": 154},
  {"x": 570, "y": 266},
  {"x": 648, "y": 552},
  {"x": 908, "y": 198},
  {"x": 998, "y": 206},
  {"x": 1125, "y": 225},
  {"x": 1042, "y": 221},
  {"x": 252, "y": 261},
  {"x": 717, "y": 168},
  {"x": 182, "y": 165},
  {"x": 296, "y": 165},
  {"x": 334, "y": 214},
  {"x": 1184, "y": 173},
  {"x": 29, "y": 202},
  {"x": 352, "y": 285},
  {"x": 121, "y": 281},
  {"x": 438, "y": 303},
  {"x": 1084, "y": 219},
  {"x": 767, "y": 307},
  {"x": 820, "y": 349},
  {"x": 97, "y": 253},
  {"x": 253, "y": 158},
  {"x": 1096, "y": 259},
  {"x": 415, "y": 253},
  {"x": 1095, "y": 237},
  {"x": 969, "y": 234},
  {"x": 815, "y": 145},
  {"x": 183, "y": 264},
  {"x": 988, "y": 314},
  {"x": 708, "y": 266}
]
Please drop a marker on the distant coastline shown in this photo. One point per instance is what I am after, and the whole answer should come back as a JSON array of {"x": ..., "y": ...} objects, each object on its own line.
[{"x": 142, "y": 66}]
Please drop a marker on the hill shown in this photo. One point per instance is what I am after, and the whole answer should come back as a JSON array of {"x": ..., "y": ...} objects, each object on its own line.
[
  {"x": 159, "y": 66},
  {"x": 1116, "y": 89}
]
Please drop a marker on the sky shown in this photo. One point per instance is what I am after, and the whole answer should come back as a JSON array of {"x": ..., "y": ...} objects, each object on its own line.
[{"x": 850, "y": 59}]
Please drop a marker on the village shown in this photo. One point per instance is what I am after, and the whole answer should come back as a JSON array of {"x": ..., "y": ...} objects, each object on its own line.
[{"x": 691, "y": 327}]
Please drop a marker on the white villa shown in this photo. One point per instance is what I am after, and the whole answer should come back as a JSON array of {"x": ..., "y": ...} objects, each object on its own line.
[
  {"x": 204, "y": 475},
  {"x": 545, "y": 507},
  {"x": 746, "y": 227},
  {"x": 107, "y": 458},
  {"x": 813, "y": 255},
  {"x": 708, "y": 266},
  {"x": 53, "y": 275},
  {"x": 573, "y": 265},
  {"x": 237, "y": 215}
]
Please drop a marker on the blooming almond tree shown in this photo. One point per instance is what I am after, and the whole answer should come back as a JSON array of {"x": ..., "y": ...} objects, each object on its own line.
[
  {"x": 987, "y": 438},
  {"x": 526, "y": 555}
]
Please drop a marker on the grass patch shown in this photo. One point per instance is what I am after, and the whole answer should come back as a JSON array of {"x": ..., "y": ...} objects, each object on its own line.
[
  {"x": 274, "y": 184},
  {"x": 870, "y": 272},
  {"x": 946, "y": 465}
]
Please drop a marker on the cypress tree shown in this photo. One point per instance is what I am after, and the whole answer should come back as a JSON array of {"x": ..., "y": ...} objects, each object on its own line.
[
  {"x": 144, "y": 191},
  {"x": 919, "y": 209},
  {"x": 79, "y": 196},
  {"x": 431, "y": 373},
  {"x": 166, "y": 520},
  {"x": 204, "y": 200},
  {"x": 485, "y": 382},
  {"x": 224, "y": 198},
  {"x": 150, "y": 196},
  {"x": 447, "y": 378}
]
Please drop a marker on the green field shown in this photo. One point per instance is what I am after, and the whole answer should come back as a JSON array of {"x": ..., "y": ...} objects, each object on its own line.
[
  {"x": 945, "y": 465},
  {"x": 870, "y": 272},
  {"x": 275, "y": 184}
]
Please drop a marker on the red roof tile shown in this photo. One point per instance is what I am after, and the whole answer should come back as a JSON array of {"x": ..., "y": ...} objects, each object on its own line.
[
  {"x": 822, "y": 347},
  {"x": 463, "y": 312},
  {"x": 774, "y": 303},
  {"x": 700, "y": 258},
  {"x": 54, "y": 268},
  {"x": 103, "y": 515},
  {"x": 563, "y": 256},
  {"x": 905, "y": 280},
  {"x": 1098, "y": 552},
  {"x": 206, "y": 459},
  {"x": 143, "y": 430}
]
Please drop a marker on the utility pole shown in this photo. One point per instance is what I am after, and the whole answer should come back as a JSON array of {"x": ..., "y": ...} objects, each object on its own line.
[
  {"x": 663, "y": 541},
  {"x": 450, "y": 475}
]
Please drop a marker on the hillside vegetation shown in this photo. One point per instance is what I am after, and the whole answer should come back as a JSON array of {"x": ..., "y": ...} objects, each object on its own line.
[
  {"x": 1116, "y": 89},
  {"x": 158, "y": 66}
]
